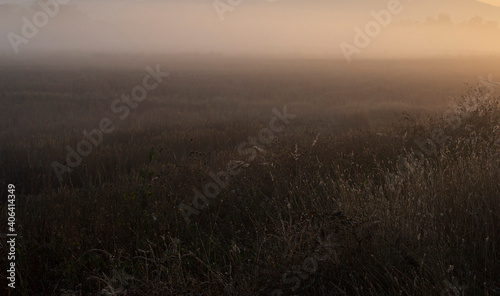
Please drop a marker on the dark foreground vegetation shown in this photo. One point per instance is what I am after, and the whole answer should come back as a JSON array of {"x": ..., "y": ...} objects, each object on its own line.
[{"x": 349, "y": 199}]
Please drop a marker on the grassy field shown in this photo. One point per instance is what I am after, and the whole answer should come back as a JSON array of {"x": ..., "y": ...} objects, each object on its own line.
[{"x": 349, "y": 198}]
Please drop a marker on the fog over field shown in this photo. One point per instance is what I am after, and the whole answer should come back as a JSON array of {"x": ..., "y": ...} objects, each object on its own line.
[
  {"x": 296, "y": 27},
  {"x": 258, "y": 147}
]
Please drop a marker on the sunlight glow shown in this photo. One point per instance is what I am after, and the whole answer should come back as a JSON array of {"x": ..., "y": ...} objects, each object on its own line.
[{"x": 491, "y": 2}]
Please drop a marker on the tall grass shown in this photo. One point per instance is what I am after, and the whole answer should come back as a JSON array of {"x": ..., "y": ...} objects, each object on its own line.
[{"x": 395, "y": 223}]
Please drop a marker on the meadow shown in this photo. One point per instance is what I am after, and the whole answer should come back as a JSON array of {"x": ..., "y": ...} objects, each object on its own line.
[{"x": 342, "y": 201}]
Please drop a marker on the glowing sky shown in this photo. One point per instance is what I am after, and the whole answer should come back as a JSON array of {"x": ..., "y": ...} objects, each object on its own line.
[
  {"x": 314, "y": 27},
  {"x": 491, "y": 2}
]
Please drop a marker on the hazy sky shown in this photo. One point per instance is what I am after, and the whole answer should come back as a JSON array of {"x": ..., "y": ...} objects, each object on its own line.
[{"x": 303, "y": 27}]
